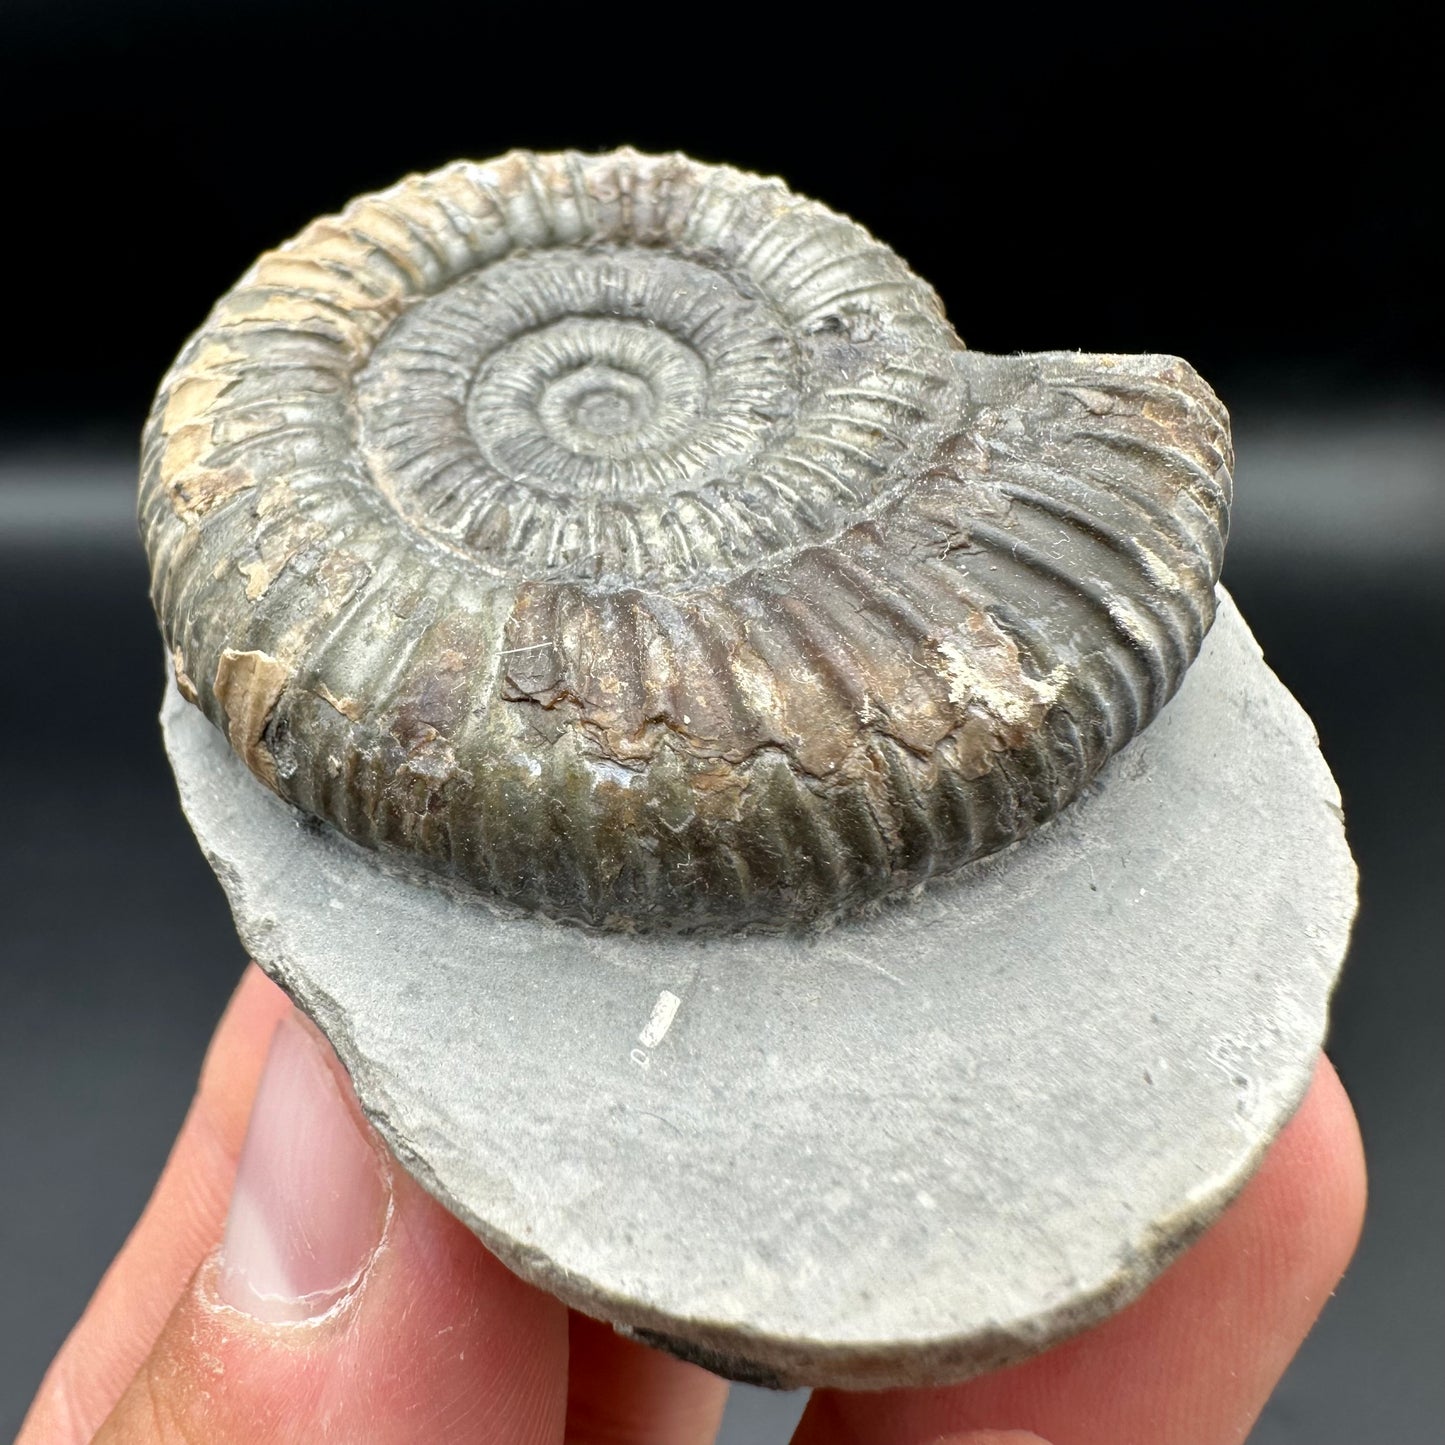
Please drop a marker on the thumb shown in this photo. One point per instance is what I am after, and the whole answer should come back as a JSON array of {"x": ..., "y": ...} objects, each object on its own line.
[{"x": 344, "y": 1303}]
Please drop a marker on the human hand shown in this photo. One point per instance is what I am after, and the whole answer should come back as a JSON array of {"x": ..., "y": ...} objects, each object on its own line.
[{"x": 343, "y": 1304}]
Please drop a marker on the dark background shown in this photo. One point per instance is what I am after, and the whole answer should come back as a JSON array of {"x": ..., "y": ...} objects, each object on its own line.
[{"x": 1242, "y": 186}]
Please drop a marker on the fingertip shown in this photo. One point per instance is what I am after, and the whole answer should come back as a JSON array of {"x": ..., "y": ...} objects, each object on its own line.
[
  {"x": 1321, "y": 1155},
  {"x": 993, "y": 1437},
  {"x": 345, "y": 1302},
  {"x": 1282, "y": 1247},
  {"x": 621, "y": 1390},
  {"x": 237, "y": 1051},
  {"x": 1196, "y": 1356},
  {"x": 312, "y": 1190}
]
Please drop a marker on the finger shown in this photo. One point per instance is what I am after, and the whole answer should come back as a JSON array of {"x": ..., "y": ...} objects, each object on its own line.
[
  {"x": 992, "y": 1437},
  {"x": 179, "y": 1226},
  {"x": 344, "y": 1303},
  {"x": 1194, "y": 1359},
  {"x": 622, "y": 1393}
]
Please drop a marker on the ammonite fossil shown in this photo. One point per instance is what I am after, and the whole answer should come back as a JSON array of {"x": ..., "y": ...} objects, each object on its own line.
[
  {"x": 636, "y": 541},
  {"x": 632, "y": 543}
]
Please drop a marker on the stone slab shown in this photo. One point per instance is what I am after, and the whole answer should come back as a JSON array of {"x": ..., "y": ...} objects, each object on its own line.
[{"x": 904, "y": 1151}]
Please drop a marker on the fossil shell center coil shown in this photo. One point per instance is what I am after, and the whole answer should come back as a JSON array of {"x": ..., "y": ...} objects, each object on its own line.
[
  {"x": 625, "y": 413},
  {"x": 634, "y": 541}
]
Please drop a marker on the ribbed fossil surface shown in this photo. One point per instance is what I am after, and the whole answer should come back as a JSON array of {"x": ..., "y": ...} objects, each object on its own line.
[{"x": 636, "y": 541}]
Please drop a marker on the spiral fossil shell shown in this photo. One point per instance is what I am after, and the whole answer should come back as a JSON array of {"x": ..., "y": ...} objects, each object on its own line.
[{"x": 635, "y": 540}]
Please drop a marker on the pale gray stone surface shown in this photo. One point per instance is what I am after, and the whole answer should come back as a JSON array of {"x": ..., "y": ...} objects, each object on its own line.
[{"x": 906, "y": 1150}]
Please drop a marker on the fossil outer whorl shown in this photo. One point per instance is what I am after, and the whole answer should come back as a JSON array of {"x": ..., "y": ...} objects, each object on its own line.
[{"x": 636, "y": 541}]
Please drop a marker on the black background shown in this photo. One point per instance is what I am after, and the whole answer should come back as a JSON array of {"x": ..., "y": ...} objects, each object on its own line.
[{"x": 1244, "y": 186}]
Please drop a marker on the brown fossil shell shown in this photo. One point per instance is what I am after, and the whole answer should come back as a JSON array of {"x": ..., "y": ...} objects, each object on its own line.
[{"x": 636, "y": 541}]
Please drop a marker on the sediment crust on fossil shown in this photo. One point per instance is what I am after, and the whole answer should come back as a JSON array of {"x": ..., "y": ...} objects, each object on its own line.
[{"x": 636, "y": 541}]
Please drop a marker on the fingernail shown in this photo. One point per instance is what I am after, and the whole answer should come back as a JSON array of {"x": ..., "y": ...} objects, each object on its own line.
[{"x": 309, "y": 1203}]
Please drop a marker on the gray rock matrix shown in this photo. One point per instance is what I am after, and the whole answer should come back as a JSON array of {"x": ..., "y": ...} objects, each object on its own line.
[{"x": 901, "y": 1151}]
